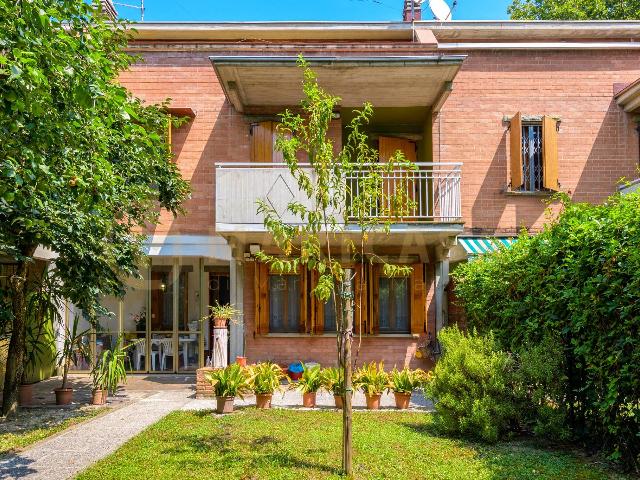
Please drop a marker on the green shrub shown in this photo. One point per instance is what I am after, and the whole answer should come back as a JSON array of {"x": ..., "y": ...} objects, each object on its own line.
[
  {"x": 577, "y": 282},
  {"x": 472, "y": 386}
]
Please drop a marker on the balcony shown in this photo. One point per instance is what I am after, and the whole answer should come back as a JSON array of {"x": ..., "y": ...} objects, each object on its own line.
[{"x": 434, "y": 190}]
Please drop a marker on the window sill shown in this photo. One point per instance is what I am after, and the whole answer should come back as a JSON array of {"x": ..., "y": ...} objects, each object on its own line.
[
  {"x": 516, "y": 193},
  {"x": 333, "y": 335}
]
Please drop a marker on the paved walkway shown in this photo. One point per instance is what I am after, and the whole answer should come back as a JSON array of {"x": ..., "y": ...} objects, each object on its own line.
[{"x": 68, "y": 453}]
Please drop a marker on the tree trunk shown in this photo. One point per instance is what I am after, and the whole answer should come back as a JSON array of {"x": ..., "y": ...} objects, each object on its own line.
[
  {"x": 16, "y": 353},
  {"x": 347, "y": 411}
]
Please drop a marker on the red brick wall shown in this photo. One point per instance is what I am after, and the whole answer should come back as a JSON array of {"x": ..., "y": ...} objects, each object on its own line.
[
  {"x": 597, "y": 141},
  {"x": 284, "y": 350}
]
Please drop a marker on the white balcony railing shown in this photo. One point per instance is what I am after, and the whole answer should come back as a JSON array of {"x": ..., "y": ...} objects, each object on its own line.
[{"x": 433, "y": 190}]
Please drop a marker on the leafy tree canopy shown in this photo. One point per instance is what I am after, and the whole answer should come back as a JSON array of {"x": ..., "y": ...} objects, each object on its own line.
[
  {"x": 84, "y": 164},
  {"x": 574, "y": 10}
]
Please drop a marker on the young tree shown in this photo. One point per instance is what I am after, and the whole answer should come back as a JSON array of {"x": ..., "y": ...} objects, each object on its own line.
[
  {"x": 84, "y": 164},
  {"x": 574, "y": 10},
  {"x": 339, "y": 186}
]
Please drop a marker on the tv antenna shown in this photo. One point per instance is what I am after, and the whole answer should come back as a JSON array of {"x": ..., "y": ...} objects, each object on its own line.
[
  {"x": 441, "y": 10},
  {"x": 137, "y": 7}
]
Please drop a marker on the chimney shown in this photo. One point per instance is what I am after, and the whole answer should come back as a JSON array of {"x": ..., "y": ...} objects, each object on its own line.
[
  {"x": 107, "y": 8},
  {"x": 412, "y": 11}
]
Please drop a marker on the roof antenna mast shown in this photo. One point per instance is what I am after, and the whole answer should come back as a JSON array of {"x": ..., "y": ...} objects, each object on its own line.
[{"x": 137, "y": 7}]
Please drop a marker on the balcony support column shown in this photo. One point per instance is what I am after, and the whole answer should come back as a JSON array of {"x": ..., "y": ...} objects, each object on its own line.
[
  {"x": 442, "y": 280},
  {"x": 236, "y": 328}
]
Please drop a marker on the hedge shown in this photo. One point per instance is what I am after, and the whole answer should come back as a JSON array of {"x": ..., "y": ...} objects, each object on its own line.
[{"x": 577, "y": 281}]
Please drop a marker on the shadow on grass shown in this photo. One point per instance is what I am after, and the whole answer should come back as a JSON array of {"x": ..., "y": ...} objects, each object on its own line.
[{"x": 252, "y": 454}]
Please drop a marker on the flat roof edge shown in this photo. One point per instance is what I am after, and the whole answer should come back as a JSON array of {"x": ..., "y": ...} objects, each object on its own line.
[{"x": 328, "y": 60}]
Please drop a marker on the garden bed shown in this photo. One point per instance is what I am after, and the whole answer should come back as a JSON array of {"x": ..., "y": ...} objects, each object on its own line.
[
  {"x": 290, "y": 444},
  {"x": 36, "y": 423}
]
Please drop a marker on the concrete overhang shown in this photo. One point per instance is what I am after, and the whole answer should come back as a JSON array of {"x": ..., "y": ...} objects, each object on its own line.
[{"x": 389, "y": 81}]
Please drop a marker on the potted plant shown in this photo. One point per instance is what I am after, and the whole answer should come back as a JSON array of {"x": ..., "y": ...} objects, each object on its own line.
[
  {"x": 309, "y": 383},
  {"x": 73, "y": 349},
  {"x": 333, "y": 381},
  {"x": 109, "y": 372},
  {"x": 373, "y": 381},
  {"x": 221, "y": 314},
  {"x": 403, "y": 382},
  {"x": 228, "y": 383},
  {"x": 264, "y": 380}
]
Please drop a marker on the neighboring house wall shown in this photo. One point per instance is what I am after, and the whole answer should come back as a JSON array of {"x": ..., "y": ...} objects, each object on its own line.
[{"x": 597, "y": 141}]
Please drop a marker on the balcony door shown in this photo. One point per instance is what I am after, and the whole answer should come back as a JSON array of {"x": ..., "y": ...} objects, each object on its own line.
[
  {"x": 399, "y": 182},
  {"x": 263, "y": 143}
]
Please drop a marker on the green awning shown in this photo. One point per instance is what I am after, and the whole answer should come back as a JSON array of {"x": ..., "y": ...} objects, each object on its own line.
[{"x": 480, "y": 245}]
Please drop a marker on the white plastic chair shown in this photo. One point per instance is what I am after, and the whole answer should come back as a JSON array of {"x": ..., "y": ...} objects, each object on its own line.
[
  {"x": 141, "y": 351},
  {"x": 166, "y": 350}
]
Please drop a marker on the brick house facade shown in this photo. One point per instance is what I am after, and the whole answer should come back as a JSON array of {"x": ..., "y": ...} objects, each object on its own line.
[{"x": 453, "y": 90}]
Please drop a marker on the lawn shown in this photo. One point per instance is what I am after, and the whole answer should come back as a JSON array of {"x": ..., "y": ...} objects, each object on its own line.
[
  {"x": 295, "y": 444},
  {"x": 34, "y": 424}
]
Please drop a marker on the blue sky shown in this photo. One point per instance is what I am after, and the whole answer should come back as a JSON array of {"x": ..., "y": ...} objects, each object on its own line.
[{"x": 266, "y": 10}]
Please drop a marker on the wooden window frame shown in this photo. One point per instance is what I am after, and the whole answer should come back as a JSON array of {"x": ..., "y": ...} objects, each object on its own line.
[{"x": 262, "y": 300}]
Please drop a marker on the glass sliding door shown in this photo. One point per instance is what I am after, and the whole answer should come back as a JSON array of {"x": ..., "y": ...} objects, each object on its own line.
[
  {"x": 134, "y": 323},
  {"x": 189, "y": 316},
  {"x": 161, "y": 319}
]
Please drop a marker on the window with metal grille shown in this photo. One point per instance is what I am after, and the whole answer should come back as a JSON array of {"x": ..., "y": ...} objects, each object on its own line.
[{"x": 532, "y": 174}]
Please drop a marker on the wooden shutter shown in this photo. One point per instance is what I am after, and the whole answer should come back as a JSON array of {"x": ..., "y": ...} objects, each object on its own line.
[
  {"x": 317, "y": 306},
  {"x": 515, "y": 144},
  {"x": 550, "y": 153},
  {"x": 418, "y": 300},
  {"x": 263, "y": 142},
  {"x": 376, "y": 271},
  {"x": 361, "y": 299},
  {"x": 303, "y": 326},
  {"x": 261, "y": 287}
]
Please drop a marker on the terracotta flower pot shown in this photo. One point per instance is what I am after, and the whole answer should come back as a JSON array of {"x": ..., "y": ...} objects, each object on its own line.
[
  {"x": 25, "y": 394},
  {"x": 339, "y": 399},
  {"x": 242, "y": 361},
  {"x": 220, "y": 322},
  {"x": 263, "y": 400},
  {"x": 309, "y": 400},
  {"x": 373, "y": 401},
  {"x": 64, "y": 396},
  {"x": 402, "y": 400},
  {"x": 224, "y": 404},
  {"x": 98, "y": 397}
]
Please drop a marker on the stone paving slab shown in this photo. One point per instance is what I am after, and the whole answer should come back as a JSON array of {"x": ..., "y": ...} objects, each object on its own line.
[{"x": 66, "y": 454}]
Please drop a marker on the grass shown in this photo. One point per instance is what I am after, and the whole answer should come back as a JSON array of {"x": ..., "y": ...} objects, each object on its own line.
[
  {"x": 290, "y": 444},
  {"x": 34, "y": 425}
]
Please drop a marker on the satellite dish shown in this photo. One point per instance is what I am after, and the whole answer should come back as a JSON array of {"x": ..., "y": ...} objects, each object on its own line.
[{"x": 440, "y": 10}]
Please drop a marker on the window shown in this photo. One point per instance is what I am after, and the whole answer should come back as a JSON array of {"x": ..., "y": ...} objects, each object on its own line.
[
  {"x": 284, "y": 303},
  {"x": 534, "y": 154},
  {"x": 329, "y": 316},
  {"x": 532, "y": 157},
  {"x": 382, "y": 305},
  {"x": 398, "y": 304},
  {"x": 394, "y": 305}
]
